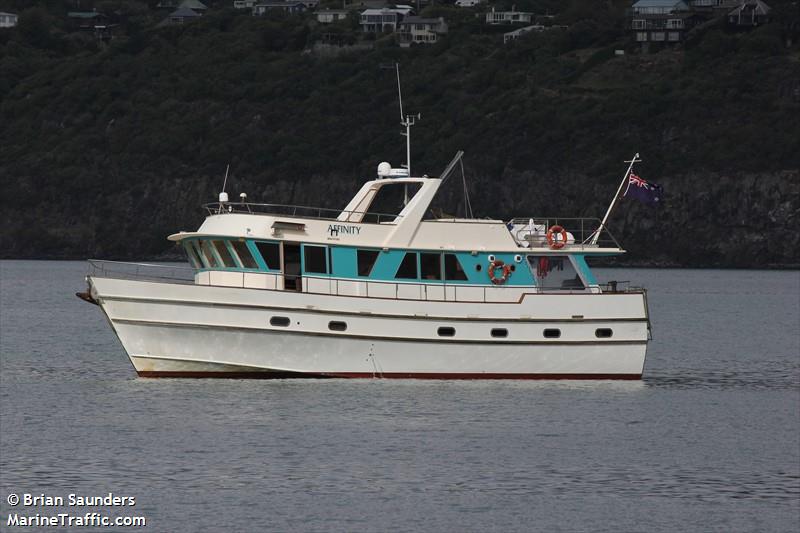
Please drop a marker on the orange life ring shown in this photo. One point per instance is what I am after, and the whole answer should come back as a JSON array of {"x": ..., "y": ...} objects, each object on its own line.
[
  {"x": 494, "y": 265},
  {"x": 551, "y": 237}
]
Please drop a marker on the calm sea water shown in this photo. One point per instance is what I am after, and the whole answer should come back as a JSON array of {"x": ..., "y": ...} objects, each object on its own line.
[{"x": 708, "y": 441}]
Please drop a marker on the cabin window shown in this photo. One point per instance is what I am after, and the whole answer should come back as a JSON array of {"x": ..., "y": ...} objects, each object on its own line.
[
  {"x": 552, "y": 333},
  {"x": 224, "y": 254},
  {"x": 280, "y": 321},
  {"x": 499, "y": 332},
  {"x": 315, "y": 260},
  {"x": 366, "y": 261},
  {"x": 335, "y": 325},
  {"x": 452, "y": 268},
  {"x": 208, "y": 254},
  {"x": 192, "y": 254},
  {"x": 271, "y": 254},
  {"x": 408, "y": 267},
  {"x": 431, "y": 265},
  {"x": 603, "y": 333},
  {"x": 245, "y": 257},
  {"x": 447, "y": 332},
  {"x": 555, "y": 272}
]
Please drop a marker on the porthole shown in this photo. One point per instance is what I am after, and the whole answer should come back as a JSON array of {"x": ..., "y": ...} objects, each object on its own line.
[
  {"x": 280, "y": 321},
  {"x": 552, "y": 333},
  {"x": 499, "y": 332},
  {"x": 478, "y": 267},
  {"x": 517, "y": 258},
  {"x": 335, "y": 325},
  {"x": 513, "y": 267},
  {"x": 491, "y": 258},
  {"x": 447, "y": 332},
  {"x": 603, "y": 333}
]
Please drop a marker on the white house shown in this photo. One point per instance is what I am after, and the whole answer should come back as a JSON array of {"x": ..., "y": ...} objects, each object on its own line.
[
  {"x": 329, "y": 16},
  {"x": 469, "y": 3},
  {"x": 386, "y": 19},
  {"x": 290, "y": 7},
  {"x": 516, "y": 34},
  {"x": 8, "y": 20},
  {"x": 509, "y": 17},
  {"x": 420, "y": 30}
]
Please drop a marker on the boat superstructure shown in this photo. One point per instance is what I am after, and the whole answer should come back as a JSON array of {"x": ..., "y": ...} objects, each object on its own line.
[
  {"x": 288, "y": 290},
  {"x": 277, "y": 291}
]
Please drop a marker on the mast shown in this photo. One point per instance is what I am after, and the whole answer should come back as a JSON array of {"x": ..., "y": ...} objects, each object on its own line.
[{"x": 611, "y": 207}]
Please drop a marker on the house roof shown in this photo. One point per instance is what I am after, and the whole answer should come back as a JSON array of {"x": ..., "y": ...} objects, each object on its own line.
[
  {"x": 401, "y": 11},
  {"x": 421, "y": 20},
  {"x": 183, "y": 12},
  {"x": 193, "y": 4},
  {"x": 280, "y": 3},
  {"x": 8, "y": 14},
  {"x": 759, "y": 7},
  {"x": 84, "y": 14},
  {"x": 661, "y": 3}
]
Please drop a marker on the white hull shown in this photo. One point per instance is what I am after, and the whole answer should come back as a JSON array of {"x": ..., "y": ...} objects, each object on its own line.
[{"x": 197, "y": 331}]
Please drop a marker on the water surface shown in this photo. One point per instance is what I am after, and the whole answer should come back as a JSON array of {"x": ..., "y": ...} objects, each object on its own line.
[{"x": 709, "y": 440}]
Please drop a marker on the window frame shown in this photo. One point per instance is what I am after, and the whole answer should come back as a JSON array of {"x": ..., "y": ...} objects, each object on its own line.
[
  {"x": 325, "y": 259},
  {"x": 259, "y": 257},
  {"x": 238, "y": 257},
  {"x": 416, "y": 267}
]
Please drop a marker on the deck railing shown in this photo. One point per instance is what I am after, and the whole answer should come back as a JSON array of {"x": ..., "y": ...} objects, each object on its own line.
[
  {"x": 533, "y": 230},
  {"x": 299, "y": 211},
  {"x": 444, "y": 291}
]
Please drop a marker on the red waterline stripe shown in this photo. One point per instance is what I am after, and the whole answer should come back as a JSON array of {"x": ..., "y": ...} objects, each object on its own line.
[{"x": 391, "y": 375}]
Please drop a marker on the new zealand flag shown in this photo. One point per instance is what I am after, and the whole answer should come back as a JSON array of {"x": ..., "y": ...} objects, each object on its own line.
[{"x": 648, "y": 193}]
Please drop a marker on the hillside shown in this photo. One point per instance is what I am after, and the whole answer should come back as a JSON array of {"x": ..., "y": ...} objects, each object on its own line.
[{"x": 107, "y": 148}]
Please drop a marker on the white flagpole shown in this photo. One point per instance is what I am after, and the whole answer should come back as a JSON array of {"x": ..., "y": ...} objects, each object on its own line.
[{"x": 616, "y": 199}]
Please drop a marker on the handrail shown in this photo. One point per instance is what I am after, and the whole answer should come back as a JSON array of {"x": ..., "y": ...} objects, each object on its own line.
[
  {"x": 187, "y": 276},
  {"x": 582, "y": 230},
  {"x": 217, "y": 208}
]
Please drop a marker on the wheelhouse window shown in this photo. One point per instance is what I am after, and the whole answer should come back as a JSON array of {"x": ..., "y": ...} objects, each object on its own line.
[
  {"x": 408, "y": 267},
  {"x": 224, "y": 254},
  {"x": 431, "y": 265},
  {"x": 453, "y": 271},
  {"x": 271, "y": 253},
  {"x": 366, "y": 261},
  {"x": 555, "y": 273},
  {"x": 208, "y": 254},
  {"x": 194, "y": 259},
  {"x": 315, "y": 259},
  {"x": 244, "y": 255}
]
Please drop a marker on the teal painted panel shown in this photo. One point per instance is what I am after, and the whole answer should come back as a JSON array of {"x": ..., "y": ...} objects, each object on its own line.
[
  {"x": 387, "y": 264},
  {"x": 344, "y": 262},
  {"x": 583, "y": 268}
]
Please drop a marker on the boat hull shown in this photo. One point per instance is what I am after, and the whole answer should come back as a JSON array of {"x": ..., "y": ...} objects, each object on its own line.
[{"x": 191, "y": 331}]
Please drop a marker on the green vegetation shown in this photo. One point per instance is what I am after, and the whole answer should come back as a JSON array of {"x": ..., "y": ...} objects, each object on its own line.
[{"x": 107, "y": 148}]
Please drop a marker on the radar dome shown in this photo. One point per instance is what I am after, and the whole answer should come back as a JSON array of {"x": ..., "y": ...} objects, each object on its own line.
[{"x": 384, "y": 169}]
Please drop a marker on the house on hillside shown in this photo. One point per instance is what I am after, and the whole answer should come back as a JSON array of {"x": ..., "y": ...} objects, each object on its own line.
[
  {"x": 509, "y": 17},
  {"x": 469, "y": 3},
  {"x": 516, "y": 34},
  {"x": 749, "y": 13},
  {"x": 182, "y": 15},
  {"x": 383, "y": 20},
  {"x": 168, "y": 4},
  {"x": 661, "y": 21},
  {"x": 329, "y": 16},
  {"x": 195, "y": 5},
  {"x": 290, "y": 7},
  {"x": 8, "y": 20},
  {"x": 418, "y": 30},
  {"x": 244, "y": 4}
]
